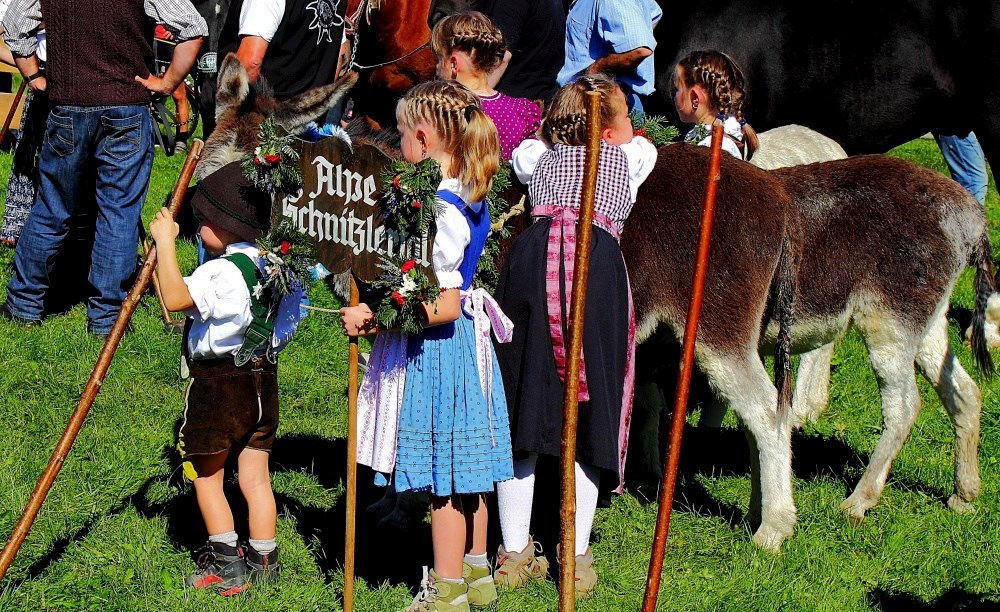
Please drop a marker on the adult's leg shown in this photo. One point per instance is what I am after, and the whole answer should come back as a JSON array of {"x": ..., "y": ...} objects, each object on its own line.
[
  {"x": 255, "y": 483},
  {"x": 966, "y": 162},
  {"x": 64, "y": 155},
  {"x": 124, "y": 156}
]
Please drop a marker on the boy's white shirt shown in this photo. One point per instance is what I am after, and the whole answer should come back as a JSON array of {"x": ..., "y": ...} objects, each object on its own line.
[
  {"x": 640, "y": 153},
  {"x": 221, "y": 312}
]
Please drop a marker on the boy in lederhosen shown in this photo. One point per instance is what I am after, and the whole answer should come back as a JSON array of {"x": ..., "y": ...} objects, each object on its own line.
[{"x": 231, "y": 402}]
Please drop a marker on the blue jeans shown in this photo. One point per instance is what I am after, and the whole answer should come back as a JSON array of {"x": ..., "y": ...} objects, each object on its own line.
[
  {"x": 116, "y": 144},
  {"x": 966, "y": 162}
]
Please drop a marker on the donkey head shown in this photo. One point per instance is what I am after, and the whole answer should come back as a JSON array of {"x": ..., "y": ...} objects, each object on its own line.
[{"x": 242, "y": 106}]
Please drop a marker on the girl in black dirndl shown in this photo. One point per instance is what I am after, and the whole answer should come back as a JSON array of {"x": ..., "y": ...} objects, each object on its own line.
[{"x": 534, "y": 291}]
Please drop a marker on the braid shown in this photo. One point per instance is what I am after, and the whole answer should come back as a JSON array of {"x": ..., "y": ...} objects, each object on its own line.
[
  {"x": 470, "y": 32},
  {"x": 723, "y": 79},
  {"x": 465, "y": 131},
  {"x": 566, "y": 118}
]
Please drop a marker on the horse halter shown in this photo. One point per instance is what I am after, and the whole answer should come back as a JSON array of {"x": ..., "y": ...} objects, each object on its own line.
[{"x": 366, "y": 7}]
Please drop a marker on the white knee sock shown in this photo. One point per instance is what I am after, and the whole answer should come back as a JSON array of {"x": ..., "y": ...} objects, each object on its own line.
[
  {"x": 587, "y": 478},
  {"x": 514, "y": 499}
]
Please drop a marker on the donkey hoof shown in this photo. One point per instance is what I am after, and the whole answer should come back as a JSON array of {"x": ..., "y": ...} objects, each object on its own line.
[
  {"x": 855, "y": 510},
  {"x": 960, "y": 506},
  {"x": 769, "y": 539}
]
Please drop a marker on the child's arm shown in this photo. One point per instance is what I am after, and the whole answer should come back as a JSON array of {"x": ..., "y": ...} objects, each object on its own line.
[
  {"x": 174, "y": 292},
  {"x": 641, "y": 155},
  {"x": 360, "y": 320},
  {"x": 525, "y": 157}
]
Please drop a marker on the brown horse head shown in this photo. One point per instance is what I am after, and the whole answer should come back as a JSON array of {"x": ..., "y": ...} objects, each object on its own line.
[{"x": 241, "y": 106}]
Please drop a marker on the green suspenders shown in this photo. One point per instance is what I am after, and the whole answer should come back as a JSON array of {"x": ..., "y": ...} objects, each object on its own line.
[{"x": 258, "y": 334}]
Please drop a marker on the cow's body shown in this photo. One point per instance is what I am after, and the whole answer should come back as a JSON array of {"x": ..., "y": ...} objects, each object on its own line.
[
  {"x": 873, "y": 242},
  {"x": 869, "y": 75}
]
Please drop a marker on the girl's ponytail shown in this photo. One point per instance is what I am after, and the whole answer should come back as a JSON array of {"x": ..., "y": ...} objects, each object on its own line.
[{"x": 477, "y": 157}]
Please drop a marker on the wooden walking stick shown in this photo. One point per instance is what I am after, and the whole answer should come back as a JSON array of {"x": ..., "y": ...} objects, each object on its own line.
[
  {"x": 13, "y": 109},
  {"x": 96, "y": 377},
  {"x": 581, "y": 266},
  {"x": 352, "y": 459},
  {"x": 684, "y": 377}
]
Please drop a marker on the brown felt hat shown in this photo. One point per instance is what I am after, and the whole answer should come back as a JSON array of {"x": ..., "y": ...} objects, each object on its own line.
[{"x": 226, "y": 199}]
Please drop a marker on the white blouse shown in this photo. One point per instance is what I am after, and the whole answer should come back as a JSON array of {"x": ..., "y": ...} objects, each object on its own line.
[
  {"x": 732, "y": 127},
  {"x": 221, "y": 310},
  {"x": 452, "y": 237}
]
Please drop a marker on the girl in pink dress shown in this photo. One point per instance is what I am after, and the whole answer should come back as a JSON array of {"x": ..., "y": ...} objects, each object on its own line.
[{"x": 471, "y": 50}]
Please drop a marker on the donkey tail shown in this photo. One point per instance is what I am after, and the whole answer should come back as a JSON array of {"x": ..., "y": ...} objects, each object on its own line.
[
  {"x": 783, "y": 300},
  {"x": 985, "y": 285}
]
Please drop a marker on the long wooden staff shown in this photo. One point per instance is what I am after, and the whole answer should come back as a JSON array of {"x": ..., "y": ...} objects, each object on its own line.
[
  {"x": 13, "y": 109},
  {"x": 96, "y": 377},
  {"x": 571, "y": 405},
  {"x": 352, "y": 459},
  {"x": 684, "y": 378}
]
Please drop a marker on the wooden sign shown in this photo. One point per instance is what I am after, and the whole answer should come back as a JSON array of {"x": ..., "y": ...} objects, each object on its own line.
[{"x": 337, "y": 206}]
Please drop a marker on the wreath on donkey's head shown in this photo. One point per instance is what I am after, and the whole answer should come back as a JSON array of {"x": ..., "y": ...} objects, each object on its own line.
[{"x": 273, "y": 166}]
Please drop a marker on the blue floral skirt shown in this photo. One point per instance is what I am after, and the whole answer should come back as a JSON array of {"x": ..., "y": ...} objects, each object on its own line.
[{"x": 451, "y": 440}]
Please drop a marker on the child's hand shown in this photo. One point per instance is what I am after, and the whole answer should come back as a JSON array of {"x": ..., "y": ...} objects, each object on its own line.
[
  {"x": 163, "y": 228},
  {"x": 357, "y": 320}
]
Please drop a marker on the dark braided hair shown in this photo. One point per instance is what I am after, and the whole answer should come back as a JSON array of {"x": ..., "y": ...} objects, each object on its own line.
[
  {"x": 723, "y": 80},
  {"x": 470, "y": 32}
]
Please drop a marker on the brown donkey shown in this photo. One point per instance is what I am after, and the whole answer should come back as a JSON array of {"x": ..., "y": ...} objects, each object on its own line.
[
  {"x": 242, "y": 106},
  {"x": 871, "y": 241}
]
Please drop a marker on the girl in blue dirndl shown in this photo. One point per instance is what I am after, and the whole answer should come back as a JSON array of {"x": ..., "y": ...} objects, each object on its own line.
[{"x": 432, "y": 410}]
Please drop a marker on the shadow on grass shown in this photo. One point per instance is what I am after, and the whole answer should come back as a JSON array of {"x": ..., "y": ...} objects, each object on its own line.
[
  {"x": 952, "y": 600},
  {"x": 381, "y": 554}
]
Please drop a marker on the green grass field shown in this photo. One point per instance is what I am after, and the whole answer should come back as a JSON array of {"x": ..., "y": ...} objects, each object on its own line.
[{"x": 118, "y": 526}]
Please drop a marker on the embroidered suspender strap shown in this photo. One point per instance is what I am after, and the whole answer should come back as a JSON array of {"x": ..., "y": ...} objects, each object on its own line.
[{"x": 258, "y": 334}]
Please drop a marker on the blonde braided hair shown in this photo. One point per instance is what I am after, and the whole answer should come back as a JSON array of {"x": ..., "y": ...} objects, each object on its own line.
[
  {"x": 470, "y": 32},
  {"x": 566, "y": 118},
  {"x": 466, "y": 132}
]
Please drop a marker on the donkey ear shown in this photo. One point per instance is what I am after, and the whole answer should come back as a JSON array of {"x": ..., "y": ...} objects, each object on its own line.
[
  {"x": 295, "y": 113},
  {"x": 233, "y": 84}
]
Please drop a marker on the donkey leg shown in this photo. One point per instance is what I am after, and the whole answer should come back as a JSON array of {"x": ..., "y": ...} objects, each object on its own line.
[
  {"x": 812, "y": 385},
  {"x": 891, "y": 350},
  {"x": 962, "y": 400},
  {"x": 745, "y": 384}
]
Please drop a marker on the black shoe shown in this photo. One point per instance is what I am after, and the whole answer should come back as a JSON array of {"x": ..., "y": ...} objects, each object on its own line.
[
  {"x": 221, "y": 567},
  {"x": 7, "y": 315},
  {"x": 264, "y": 569}
]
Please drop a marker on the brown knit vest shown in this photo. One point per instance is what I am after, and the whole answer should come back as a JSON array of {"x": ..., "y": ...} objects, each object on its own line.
[{"x": 96, "y": 48}]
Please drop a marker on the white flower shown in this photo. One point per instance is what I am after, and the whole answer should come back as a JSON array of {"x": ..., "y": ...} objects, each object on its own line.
[
  {"x": 408, "y": 285},
  {"x": 258, "y": 289},
  {"x": 271, "y": 257}
]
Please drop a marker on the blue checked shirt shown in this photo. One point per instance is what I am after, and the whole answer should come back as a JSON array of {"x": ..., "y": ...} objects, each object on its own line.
[{"x": 596, "y": 28}]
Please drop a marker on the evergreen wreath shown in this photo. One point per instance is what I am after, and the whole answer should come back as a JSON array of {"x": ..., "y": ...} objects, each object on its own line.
[
  {"x": 653, "y": 127},
  {"x": 400, "y": 294},
  {"x": 273, "y": 166},
  {"x": 487, "y": 275},
  {"x": 288, "y": 256},
  {"x": 410, "y": 196},
  {"x": 410, "y": 199}
]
